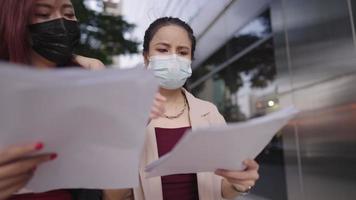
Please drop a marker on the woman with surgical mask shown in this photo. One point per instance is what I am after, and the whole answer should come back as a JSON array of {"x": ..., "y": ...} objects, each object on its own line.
[
  {"x": 168, "y": 50},
  {"x": 43, "y": 35}
]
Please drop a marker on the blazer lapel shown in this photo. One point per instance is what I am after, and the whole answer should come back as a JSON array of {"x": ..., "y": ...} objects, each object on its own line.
[
  {"x": 197, "y": 114},
  {"x": 152, "y": 187}
]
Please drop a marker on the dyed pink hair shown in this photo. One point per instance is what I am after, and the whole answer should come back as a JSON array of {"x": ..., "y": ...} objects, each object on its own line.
[{"x": 14, "y": 21}]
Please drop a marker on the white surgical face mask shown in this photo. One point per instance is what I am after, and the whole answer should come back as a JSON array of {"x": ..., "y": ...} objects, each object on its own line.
[{"x": 172, "y": 71}]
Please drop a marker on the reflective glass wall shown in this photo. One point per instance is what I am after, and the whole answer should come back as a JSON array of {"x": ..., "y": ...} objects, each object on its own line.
[
  {"x": 316, "y": 67},
  {"x": 291, "y": 53}
]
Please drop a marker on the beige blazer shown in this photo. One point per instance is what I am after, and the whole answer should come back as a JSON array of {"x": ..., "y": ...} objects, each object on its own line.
[{"x": 202, "y": 114}]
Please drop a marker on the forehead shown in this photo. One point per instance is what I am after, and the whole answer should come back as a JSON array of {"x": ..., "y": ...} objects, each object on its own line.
[
  {"x": 172, "y": 34},
  {"x": 52, "y": 3}
]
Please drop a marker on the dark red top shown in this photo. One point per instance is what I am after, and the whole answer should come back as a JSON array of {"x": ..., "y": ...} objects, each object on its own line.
[
  {"x": 53, "y": 195},
  {"x": 180, "y": 186}
]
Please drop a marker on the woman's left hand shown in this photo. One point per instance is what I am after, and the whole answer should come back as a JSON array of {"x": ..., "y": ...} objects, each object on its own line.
[
  {"x": 241, "y": 180},
  {"x": 157, "y": 109},
  {"x": 88, "y": 63}
]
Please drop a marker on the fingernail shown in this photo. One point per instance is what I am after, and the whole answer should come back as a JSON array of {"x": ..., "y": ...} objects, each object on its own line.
[
  {"x": 39, "y": 146},
  {"x": 34, "y": 169},
  {"x": 53, "y": 156}
]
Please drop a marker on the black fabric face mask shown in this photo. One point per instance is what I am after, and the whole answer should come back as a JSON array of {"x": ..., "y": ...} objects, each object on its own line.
[{"x": 55, "y": 40}]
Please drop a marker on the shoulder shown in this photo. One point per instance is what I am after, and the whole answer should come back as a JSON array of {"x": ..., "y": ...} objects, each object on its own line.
[
  {"x": 199, "y": 103},
  {"x": 208, "y": 106},
  {"x": 204, "y": 108}
]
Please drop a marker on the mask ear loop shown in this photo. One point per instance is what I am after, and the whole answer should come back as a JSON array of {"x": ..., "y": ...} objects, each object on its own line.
[{"x": 148, "y": 62}]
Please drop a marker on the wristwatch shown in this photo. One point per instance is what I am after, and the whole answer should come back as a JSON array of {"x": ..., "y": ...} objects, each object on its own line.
[{"x": 242, "y": 192}]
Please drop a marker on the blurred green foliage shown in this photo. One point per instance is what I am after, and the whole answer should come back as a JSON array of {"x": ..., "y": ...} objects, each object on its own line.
[{"x": 103, "y": 34}]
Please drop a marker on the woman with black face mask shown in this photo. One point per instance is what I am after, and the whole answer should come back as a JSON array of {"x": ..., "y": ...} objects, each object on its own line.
[{"x": 41, "y": 34}]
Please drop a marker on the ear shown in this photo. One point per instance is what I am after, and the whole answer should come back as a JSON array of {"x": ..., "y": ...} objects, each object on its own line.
[{"x": 145, "y": 57}]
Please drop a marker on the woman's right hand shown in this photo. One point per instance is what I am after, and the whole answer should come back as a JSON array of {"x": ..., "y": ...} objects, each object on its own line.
[
  {"x": 88, "y": 63},
  {"x": 17, "y": 166}
]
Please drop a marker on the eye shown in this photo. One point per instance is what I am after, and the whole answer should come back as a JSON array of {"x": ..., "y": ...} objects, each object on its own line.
[
  {"x": 183, "y": 53},
  {"x": 162, "y": 50},
  {"x": 42, "y": 15},
  {"x": 69, "y": 15}
]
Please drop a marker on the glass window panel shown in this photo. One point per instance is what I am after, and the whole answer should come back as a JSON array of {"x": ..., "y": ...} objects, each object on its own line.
[{"x": 254, "y": 31}]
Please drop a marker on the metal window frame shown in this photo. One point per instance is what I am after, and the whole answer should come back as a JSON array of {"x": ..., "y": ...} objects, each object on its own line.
[{"x": 231, "y": 60}]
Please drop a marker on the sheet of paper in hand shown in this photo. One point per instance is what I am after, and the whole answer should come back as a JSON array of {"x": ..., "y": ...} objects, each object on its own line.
[
  {"x": 94, "y": 120},
  {"x": 208, "y": 149}
]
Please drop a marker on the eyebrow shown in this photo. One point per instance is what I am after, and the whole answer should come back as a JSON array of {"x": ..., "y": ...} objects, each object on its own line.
[
  {"x": 184, "y": 47},
  {"x": 168, "y": 45},
  {"x": 67, "y": 5},
  {"x": 163, "y": 43},
  {"x": 43, "y": 5}
]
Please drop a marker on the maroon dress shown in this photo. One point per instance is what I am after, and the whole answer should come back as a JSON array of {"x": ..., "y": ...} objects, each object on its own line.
[
  {"x": 53, "y": 195},
  {"x": 180, "y": 186}
]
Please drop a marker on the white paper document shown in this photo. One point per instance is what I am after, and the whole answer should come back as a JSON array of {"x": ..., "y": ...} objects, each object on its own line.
[
  {"x": 205, "y": 150},
  {"x": 94, "y": 120}
]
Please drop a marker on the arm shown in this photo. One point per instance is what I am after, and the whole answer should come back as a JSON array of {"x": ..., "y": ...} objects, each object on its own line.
[
  {"x": 119, "y": 194},
  {"x": 227, "y": 190}
]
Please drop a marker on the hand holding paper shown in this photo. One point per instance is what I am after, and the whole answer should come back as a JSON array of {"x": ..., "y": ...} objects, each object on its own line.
[
  {"x": 95, "y": 121},
  {"x": 206, "y": 150}
]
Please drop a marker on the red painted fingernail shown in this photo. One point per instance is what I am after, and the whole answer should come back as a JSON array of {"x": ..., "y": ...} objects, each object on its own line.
[
  {"x": 39, "y": 146},
  {"x": 34, "y": 169},
  {"x": 53, "y": 156}
]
